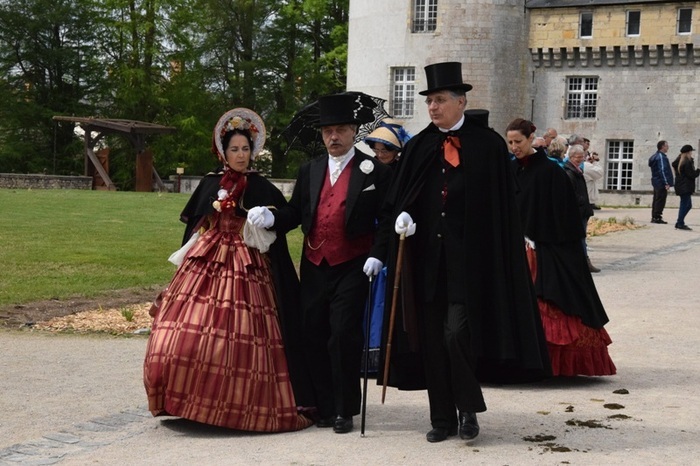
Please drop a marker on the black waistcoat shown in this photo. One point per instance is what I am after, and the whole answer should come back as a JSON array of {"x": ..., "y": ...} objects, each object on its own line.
[{"x": 440, "y": 217}]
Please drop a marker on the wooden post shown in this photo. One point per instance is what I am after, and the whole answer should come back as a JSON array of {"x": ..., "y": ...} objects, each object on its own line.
[{"x": 144, "y": 171}]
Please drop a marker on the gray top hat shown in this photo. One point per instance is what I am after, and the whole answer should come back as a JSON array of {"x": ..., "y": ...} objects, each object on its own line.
[{"x": 444, "y": 76}]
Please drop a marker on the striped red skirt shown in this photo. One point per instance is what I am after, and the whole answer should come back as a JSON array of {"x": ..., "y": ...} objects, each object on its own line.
[
  {"x": 215, "y": 354},
  {"x": 574, "y": 348}
]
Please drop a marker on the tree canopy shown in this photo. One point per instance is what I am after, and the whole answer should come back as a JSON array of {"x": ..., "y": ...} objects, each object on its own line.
[{"x": 179, "y": 63}]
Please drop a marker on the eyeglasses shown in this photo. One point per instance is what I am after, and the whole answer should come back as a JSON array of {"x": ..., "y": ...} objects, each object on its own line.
[{"x": 437, "y": 100}]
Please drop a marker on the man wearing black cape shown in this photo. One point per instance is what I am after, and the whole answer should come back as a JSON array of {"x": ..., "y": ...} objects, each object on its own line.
[{"x": 472, "y": 313}]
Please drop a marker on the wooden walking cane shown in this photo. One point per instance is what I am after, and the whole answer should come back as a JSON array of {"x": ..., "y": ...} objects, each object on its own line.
[{"x": 392, "y": 315}]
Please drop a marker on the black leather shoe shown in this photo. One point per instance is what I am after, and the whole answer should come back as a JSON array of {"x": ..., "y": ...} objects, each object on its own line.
[
  {"x": 683, "y": 227},
  {"x": 438, "y": 434},
  {"x": 592, "y": 268},
  {"x": 468, "y": 426},
  {"x": 342, "y": 425},
  {"x": 326, "y": 422}
]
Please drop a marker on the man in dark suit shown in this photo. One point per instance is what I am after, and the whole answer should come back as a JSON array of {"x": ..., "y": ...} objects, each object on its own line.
[
  {"x": 336, "y": 200},
  {"x": 475, "y": 310}
]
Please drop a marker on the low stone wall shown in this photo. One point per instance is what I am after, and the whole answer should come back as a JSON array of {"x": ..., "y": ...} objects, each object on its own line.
[
  {"x": 286, "y": 186},
  {"x": 29, "y": 181},
  {"x": 188, "y": 184},
  {"x": 613, "y": 198}
]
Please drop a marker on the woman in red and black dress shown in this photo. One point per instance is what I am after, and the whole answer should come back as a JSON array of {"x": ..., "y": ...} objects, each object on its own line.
[{"x": 572, "y": 313}]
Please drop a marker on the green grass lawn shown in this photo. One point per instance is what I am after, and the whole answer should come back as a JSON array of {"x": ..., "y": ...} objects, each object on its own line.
[{"x": 57, "y": 244}]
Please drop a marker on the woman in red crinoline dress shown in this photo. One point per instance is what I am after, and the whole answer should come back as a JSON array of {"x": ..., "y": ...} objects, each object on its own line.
[{"x": 216, "y": 352}]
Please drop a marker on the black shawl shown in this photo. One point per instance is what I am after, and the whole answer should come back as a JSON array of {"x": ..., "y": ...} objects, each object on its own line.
[{"x": 550, "y": 214}]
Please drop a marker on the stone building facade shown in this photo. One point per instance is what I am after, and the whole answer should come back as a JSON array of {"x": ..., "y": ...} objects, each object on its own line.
[
  {"x": 625, "y": 74},
  {"x": 390, "y": 43},
  {"x": 622, "y": 73}
]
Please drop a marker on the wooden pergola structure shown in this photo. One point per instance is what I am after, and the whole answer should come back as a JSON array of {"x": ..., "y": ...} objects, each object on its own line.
[{"x": 136, "y": 132}]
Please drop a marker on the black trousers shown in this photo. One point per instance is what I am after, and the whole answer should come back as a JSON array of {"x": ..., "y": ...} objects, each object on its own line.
[
  {"x": 332, "y": 304},
  {"x": 449, "y": 361},
  {"x": 659, "y": 202}
]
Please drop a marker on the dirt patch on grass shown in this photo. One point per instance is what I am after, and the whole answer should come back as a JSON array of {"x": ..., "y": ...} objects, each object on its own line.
[
  {"x": 115, "y": 321},
  {"x": 99, "y": 314}
]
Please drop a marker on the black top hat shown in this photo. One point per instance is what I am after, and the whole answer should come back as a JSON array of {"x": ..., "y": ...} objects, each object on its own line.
[
  {"x": 341, "y": 109},
  {"x": 478, "y": 115},
  {"x": 444, "y": 76}
]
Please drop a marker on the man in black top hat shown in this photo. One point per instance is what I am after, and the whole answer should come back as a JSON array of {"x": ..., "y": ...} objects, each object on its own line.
[
  {"x": 475, "y": 314},
  {"x": 336, "y": 199}
]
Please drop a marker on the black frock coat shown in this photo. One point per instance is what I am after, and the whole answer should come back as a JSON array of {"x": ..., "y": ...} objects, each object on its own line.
[
  {"x": 368, "y": 184},
  {"x": 507, "y": 336}
]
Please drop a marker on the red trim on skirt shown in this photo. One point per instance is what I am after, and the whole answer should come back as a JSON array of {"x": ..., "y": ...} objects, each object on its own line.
[{"x": 574, "y": 348}]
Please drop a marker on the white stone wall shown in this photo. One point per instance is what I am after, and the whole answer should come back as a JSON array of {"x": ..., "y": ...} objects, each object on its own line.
[
  {"x": 488, "y": 37},
  {"x": 379, "y": 39}
]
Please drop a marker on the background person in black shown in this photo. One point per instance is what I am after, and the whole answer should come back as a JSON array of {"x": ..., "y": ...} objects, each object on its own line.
[
  {"x": 685, "y": 173},
  {"x": 572, "y": 168},
  {"x": 475, "y": 312}
]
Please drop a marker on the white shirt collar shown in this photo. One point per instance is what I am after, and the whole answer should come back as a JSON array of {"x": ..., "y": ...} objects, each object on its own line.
[
  {"x": 342, "y": 160},
  {"x": 455, "y": 127}
]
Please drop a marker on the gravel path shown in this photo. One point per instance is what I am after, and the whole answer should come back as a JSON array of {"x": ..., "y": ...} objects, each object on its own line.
[{"x": 75, "y": 400}]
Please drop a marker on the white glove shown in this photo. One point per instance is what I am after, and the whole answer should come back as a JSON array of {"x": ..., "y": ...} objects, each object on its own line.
[
  {"x": 404, "y": 225},
  {"x": 261, "y": 217},
  {"x": 372, "y": 267}
]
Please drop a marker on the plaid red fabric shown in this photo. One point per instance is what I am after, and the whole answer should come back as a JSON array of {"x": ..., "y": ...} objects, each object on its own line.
[{"x": 215, "y": 354}]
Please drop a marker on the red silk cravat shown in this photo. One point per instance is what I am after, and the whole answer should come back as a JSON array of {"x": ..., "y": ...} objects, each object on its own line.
[{"x": 451, "y": 148}]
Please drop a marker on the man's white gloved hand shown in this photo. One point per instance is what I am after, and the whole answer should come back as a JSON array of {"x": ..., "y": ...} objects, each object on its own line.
[
  {"x": 372, "y": 267},
  {"x": 261, "y": 217},
  {"x": 404, "y": 225}
]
